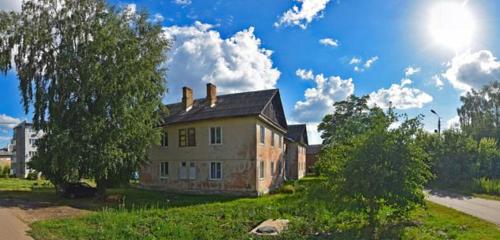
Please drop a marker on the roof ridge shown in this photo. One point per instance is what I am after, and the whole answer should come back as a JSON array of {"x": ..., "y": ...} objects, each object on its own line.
[{"x": 229, "y": 94}]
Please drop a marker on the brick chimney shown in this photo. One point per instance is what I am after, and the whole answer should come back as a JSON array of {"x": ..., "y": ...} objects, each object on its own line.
[
  {"x": 187, "y": 98},
  {"x": 211, "y": 94}
]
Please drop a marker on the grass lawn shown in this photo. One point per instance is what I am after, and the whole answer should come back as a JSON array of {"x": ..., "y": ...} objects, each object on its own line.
[{"x": 157, "y": 215}]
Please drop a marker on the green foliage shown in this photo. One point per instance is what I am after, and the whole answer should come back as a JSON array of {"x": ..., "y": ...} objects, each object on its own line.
[
  {"x": 488, "y": 159},
  {"x": 95, "y": 80},
  {"x": 4, "y": 171},
  {"x": 377, "y": 173},
  {"x": 488, "y": 186},
  {"x": 161, "y": 215},
  {"x": 455, "y": 160}
]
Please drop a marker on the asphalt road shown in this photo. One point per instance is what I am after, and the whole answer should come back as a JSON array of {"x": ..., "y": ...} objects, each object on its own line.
[
  {"x": 488, "y": 210},
  {"x": 11, "y": 228}
]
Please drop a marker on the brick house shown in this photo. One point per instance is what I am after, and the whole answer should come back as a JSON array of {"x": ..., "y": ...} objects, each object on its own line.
[
  {"x": 296, "y": 144},
  {"x": 220, "y": 144}
]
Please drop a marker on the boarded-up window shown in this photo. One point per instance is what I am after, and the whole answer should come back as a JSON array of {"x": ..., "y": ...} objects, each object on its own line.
[
  {"x": 183, "y": 171},
  {"x": 192, "y": 170}
]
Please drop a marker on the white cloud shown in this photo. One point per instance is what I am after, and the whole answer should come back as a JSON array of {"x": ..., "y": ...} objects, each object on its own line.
[
  {"x": 410, "y": 71},
  {"x": 399, "y": 96},
  {"x": 370, "y": 62},
  {"x": 436, "y": 80},
  {"x": 406, "y": 81},
  {"x": 158, "y": 18},
  {"x": 359, "y": 66},
  {"x": 355, "y": 61},
  {"x": 453, "y": 122},
  {"x": 199, "y": 55},
  {"x": 309, "y": 10},
  {"x": 182, "y": 2},
  {"x": 131, "y": 9},
  {"x": 319, "y": 100},
  {"x": 8, "y": 121},
  {"x": 472, "y": 70},
  {"x": 304, "y": 74},
  {"x": 11, "y": 5},
  {"x": 329, "y": 42}
]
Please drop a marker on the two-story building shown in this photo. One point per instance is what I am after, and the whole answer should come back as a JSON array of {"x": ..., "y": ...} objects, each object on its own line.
[
  {"x": 296, "y": 145},
  {"x": 230, "y": 143}
]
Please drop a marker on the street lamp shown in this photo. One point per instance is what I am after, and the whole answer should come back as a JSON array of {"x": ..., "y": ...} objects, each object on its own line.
[{"x": 439, "y": 121}]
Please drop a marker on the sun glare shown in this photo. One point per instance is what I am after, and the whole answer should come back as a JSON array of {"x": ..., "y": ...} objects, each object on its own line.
[{"x": 452, "y": 25}]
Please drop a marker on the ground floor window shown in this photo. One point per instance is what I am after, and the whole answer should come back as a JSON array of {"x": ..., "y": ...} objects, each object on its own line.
[
  {"x": 215, "y": 170},
  {"x": 192, "y": 171},
  {"x": 261, "y": 170}
]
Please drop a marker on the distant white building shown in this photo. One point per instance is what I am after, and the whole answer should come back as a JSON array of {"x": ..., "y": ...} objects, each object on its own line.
[{"x": 24, "y": 148}]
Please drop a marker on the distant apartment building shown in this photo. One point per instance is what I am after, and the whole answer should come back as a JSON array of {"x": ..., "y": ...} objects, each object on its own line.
[
  {"x": 220, "y": 144},
  {"x": 23, "y": 148},
  {"x": 296, "y": 145}
]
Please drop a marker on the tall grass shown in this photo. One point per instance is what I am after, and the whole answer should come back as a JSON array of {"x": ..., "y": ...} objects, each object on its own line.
[{"x": 488, "y": 186}]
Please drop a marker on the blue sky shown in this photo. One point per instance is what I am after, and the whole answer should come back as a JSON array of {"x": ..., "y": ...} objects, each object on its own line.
[{"x": 388, "y": 49}]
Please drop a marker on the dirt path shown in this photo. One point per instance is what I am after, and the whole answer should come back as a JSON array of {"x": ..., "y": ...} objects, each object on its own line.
[
  {"x": 16, "y": 215},
  {"x": 11, "y": 226},
  {"x": 488, "y": 210}
]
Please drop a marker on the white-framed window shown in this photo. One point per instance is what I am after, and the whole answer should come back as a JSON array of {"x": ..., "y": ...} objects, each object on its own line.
[
  {"x": 33, "y": 141},
  {"x": 272, "y": 169},
  {"x": 262, "y": 134},
  {"x": 261, "y": 170},
  {"x": 164, "y": 139},
  {"x": 183, "y": 171},
  {"x": 272, "y": 139},
  {"x": 215, "y": 135},
  {"x": 215, "y": 171},
  {"x": 192, "y": 170},
  {"x": 163, "y": 170}
]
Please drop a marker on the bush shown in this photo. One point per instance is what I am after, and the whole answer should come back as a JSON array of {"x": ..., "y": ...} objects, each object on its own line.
[
  {"x": 32, "y": 175},
  {"x": 488, "y": 186},
  {"x": 5, "y": 172}
]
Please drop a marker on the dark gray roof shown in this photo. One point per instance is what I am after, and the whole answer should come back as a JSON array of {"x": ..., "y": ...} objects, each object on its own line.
[
  {"x": 230, "y": 105},
  {"x": 297, "y": 133},
  {"x": 314, "y": 149}
]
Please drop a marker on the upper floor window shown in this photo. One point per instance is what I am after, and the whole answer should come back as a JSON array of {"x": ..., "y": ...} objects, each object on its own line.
[
  {"x": 33, "y": 141},
  {"x": 215, "y": 135},
  {"x": 272, "y": 138},
  {"x": 262, "y": 134},
  {"x": 187, "y": 137},
  {"x": 215, "y": 171},
  {"x": 163, "y": 169},
  {"x": 280, "y": 139},
  {"x": 164, "y": 139}
]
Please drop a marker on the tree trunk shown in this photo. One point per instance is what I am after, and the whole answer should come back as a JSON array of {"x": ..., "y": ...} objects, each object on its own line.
[
  {"x": 101, "y": 188},
  {"x": 372, "y": 219}
]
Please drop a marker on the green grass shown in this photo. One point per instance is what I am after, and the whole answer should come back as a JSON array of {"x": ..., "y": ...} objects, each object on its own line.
[{"x": 159, "y": 215}]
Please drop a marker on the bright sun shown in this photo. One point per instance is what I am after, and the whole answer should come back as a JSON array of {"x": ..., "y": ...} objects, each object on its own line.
[{"x": 452, "y": 25}]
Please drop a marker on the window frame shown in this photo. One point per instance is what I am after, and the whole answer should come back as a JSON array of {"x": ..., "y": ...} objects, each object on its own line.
[
  {"x": 272, "y": 138},
  {"x": 188, "y": 136},
  {"x": 272, "y": 169},
  {"x": 210, "y": 135},
  {"x": 210, "y": 177},
  {"x": 262, "y": 167},
  {"x": 262, "y": 134},
  {"x": 164, "y": 139},
  {"x": 161, "y": 175}
]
